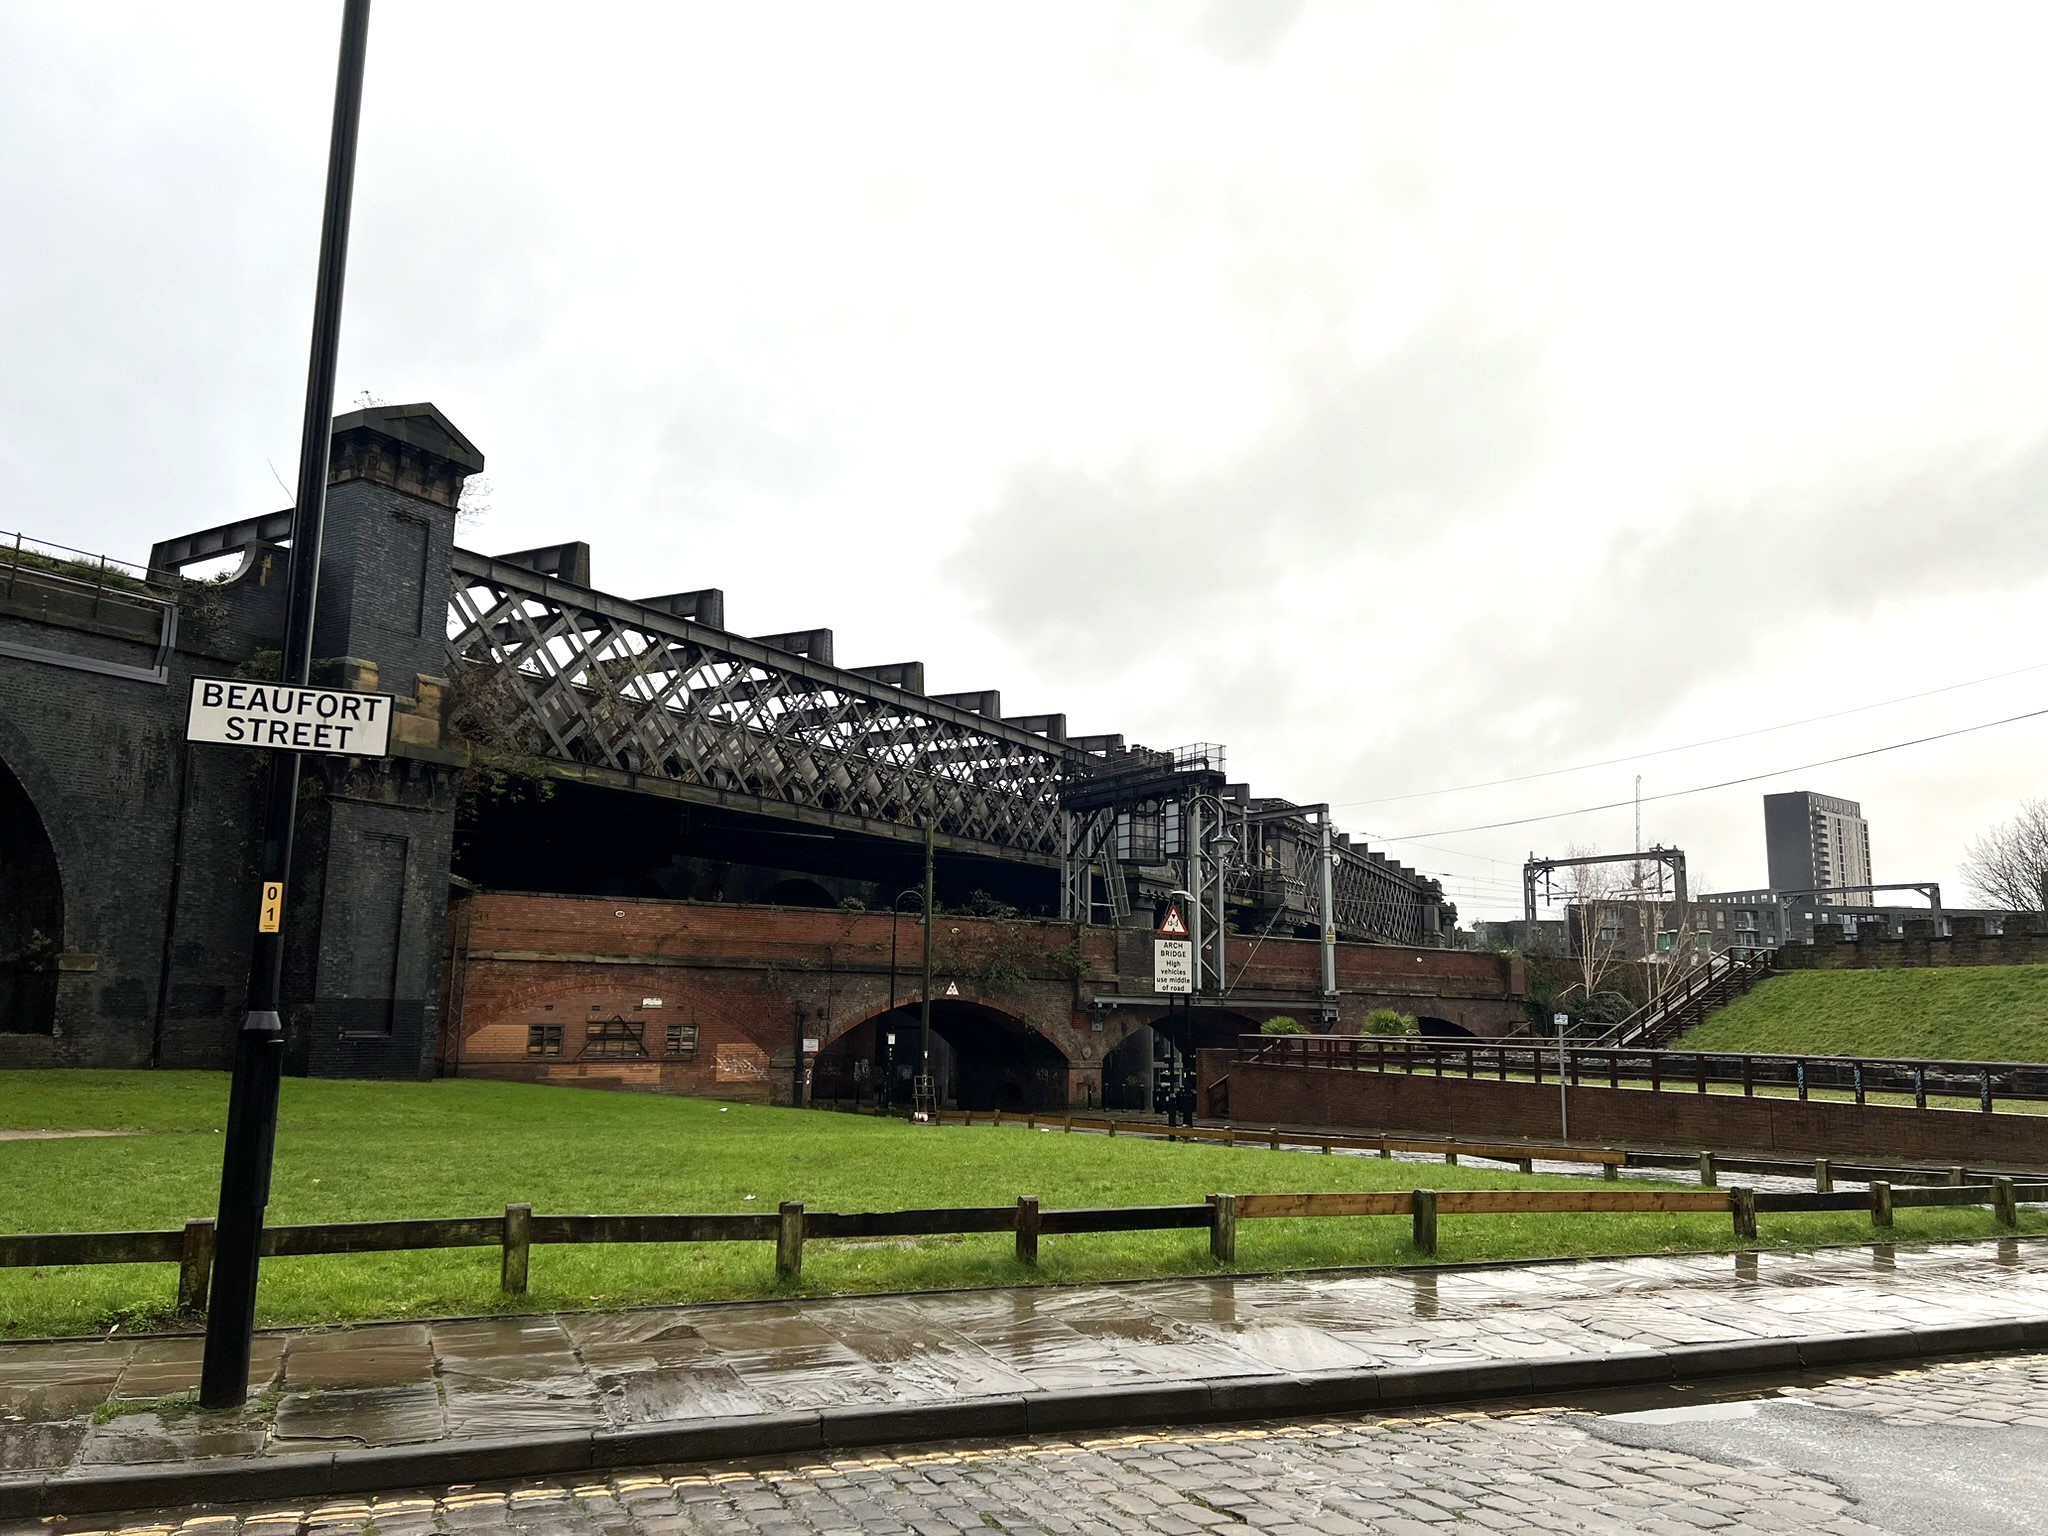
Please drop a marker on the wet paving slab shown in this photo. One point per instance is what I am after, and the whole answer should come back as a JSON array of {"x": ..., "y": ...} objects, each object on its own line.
[{"x": 105, "y": 1402}]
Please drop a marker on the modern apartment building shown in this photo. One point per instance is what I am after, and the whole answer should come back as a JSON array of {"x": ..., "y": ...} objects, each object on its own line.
[{"x": 1814, "y": 841}]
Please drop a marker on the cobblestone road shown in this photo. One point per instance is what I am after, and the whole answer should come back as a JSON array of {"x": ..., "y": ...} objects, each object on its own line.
[{"x": 1579, "y": 1467}]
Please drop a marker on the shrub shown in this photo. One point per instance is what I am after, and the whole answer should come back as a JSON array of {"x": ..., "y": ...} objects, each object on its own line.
[
  {"x": 1391, "y": 1021},
  {"x": 1283, "y": 1026}
]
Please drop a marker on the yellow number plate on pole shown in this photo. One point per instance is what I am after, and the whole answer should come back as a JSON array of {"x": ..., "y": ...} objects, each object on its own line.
[{"x": 270, "y": 916}]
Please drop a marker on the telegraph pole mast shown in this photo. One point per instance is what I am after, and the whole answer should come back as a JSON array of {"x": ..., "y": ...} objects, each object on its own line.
[{"x": 259, "y": 1048}]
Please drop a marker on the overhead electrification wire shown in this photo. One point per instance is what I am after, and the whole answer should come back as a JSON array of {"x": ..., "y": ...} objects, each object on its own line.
[
  {"x": 1701, "y": 789},
  {"x": 1711, "y": 741}
]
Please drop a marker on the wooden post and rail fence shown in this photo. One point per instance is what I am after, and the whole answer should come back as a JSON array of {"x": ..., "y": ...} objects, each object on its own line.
[{"x": 520, "y": 1229}]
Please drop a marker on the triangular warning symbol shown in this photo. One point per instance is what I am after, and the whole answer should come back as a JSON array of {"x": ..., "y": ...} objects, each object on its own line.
[
  {"x": 952, "y": 989},
  {"x": 1173, "y": 927}
]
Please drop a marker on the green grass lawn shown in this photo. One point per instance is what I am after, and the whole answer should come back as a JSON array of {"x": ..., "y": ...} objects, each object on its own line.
[
  {"x": 1959, "y": 1013},
  {"x": 356, "y": 1151}
]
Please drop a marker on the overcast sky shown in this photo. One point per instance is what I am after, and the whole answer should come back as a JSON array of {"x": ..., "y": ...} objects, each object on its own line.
[{"x": 1405, "y": 396}]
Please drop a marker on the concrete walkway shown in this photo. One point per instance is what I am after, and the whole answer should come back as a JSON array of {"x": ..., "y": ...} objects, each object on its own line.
[{"x": 991, "y": 1361}]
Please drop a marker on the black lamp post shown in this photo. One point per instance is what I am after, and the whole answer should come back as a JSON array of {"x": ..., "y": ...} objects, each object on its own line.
[
  {"x": 888, "y": 1028},
  {"x": 247, "y": 1151}
]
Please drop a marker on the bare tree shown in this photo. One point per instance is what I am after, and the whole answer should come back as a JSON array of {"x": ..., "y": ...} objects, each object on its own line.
[
  {"x": 2008, "y": 866},
  {"x": 1596, "y": 895}
]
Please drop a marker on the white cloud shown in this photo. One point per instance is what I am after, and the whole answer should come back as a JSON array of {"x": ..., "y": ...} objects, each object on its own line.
[{"x": 1503, "y": 385}]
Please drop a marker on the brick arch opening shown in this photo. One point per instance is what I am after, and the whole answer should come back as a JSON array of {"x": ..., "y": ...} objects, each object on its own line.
[
  {"x": 1428, "y": 1024},
  {"x": 31, "y": 914},
  {"x": 983, "y": 1058}
]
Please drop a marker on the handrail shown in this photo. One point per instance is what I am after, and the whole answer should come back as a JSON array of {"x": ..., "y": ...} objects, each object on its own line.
[
  {"x": 1549, "y": 1048},
  {"x": 1658, "y": 1069}
]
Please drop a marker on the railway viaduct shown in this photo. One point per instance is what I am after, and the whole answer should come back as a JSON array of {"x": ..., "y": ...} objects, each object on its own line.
[{"x": 560, "y": 749}]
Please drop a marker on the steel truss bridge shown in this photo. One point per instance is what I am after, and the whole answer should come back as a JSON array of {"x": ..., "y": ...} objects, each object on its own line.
[{"x": 655, "y": 696}]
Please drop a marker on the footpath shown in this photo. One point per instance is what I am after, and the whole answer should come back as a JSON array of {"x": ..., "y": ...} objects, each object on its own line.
[{"x": 399, "y": 1404}]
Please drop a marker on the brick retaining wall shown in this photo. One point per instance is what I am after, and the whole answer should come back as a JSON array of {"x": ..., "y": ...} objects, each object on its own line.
[{"x": 1633, "y": 1117}]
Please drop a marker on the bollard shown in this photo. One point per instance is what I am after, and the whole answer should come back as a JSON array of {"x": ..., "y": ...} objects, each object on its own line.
[
  {"x": 1823, "y": 1177},
  {"x": 1880, "y": 1204},
  {"x": 1707, "y": 1177},
  {"x": 195, "y": 1266},
  {"x": 1425, "y": 1222},
  {"x": 1230, "y": 1135},
  {"x": 1611, "y": 1172},
  {"x": 1031, "y": 1121},
  {"x": 1742, "y": 1202},
  {"x": 1326, "y": 1146},
  {"x": 999, "y": 1116},
  {"x": 1385, "y": 1150},
  {"x": 2005, "y": 1203},
  {"x": 1223, "y": 1229},
  {"x": 1112, "y": 1128},
  {"x": 1450, "y": 1159},
  {"x": 789, "y": 1241},
  {"x": 1274, "y": 1140},
  {"x": 1526, "y": 1164},
  {"x": 1027, "y": 1229},
  {"x": 1069, "y": 1125},
  {"x": 518, "y": 1241},
  {"x": 1957, "y": 1178}
]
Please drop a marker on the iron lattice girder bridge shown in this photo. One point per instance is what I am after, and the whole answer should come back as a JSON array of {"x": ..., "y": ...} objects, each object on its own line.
[
  {"x": 641, "y": 699},
  {"x": 649, "y": 697},
  {"x": 637, "y": 697}
]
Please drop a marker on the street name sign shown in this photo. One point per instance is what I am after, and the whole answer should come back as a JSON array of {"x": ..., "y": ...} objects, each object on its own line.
[
  {"x": 1173, "y": 954},
  {"x": 233, "y": 713}
]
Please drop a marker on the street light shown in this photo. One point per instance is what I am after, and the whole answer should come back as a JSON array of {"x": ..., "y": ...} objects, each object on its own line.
[
  {"x": 924, "y": 1098},
  {"x": 249, "y": 1147},
  {"x": 888, "y": 1029},
  {"x": 1176, "y": 1058}
]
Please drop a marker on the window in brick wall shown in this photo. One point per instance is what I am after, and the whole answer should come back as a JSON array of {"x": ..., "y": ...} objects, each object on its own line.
[
  {"x": 543, "y": 1039},
  {"x": 682, "y": 1040},
  {"x": 614, "y": 1038}
]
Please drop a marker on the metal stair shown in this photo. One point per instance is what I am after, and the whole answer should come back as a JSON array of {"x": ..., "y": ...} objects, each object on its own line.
[{"x": 1715, "y": 985}]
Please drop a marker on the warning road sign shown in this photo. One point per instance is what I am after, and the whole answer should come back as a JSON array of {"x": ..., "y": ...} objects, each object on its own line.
[
  {"x": 1173, "y": 925},
  {"x": 1173, "y": 965}
]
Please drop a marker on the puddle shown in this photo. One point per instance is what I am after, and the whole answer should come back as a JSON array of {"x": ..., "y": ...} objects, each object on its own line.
[{"x": 1691, "y": 1413}]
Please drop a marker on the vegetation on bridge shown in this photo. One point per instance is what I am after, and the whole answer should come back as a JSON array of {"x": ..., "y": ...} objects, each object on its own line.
[
  {"x": 1958, "y": 1013},
  {"x": 358, "y": 1151}
]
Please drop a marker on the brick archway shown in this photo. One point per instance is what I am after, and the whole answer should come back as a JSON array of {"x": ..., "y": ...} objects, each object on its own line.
[
  {"x": 984, "y": 1056},
  {"x": 31, "y": 914}
]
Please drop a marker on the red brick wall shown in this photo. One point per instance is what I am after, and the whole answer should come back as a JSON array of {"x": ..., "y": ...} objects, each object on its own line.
[
  {"x": 751, "y": 981},
  {"x": 1631, "y": 1117}
]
